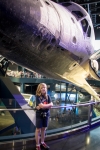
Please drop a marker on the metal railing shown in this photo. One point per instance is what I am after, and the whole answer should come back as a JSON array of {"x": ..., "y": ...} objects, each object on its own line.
[
  {"x": 54, "y": 107},
  {"x": 61, "y": 122}
]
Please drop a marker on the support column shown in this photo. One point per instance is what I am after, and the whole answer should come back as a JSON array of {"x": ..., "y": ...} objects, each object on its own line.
[
  {"x": 52, "y": 90},
  {"x": 23, "y": 69},
  {"x": 88, "y": 9},
  {"x": 76, "y": 101},
  {"x": 22, "y": 88},
  {"x": 66, "y": 93},
  {"x": 60, "y": 92},
  {"x": 31, "y": 89}
]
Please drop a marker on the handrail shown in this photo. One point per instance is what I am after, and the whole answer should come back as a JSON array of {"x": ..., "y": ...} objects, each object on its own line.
[{"x": 54, "y": 107}]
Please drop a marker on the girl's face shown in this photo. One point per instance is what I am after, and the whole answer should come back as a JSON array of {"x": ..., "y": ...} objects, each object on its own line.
[{"x": 43, "y": 89}]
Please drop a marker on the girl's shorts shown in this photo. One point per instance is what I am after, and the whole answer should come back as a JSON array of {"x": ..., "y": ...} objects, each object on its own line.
[{"x": 42, "y": 122}]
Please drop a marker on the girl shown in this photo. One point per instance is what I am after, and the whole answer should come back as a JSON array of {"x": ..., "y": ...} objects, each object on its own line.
[{"x": 43, "y": 104}]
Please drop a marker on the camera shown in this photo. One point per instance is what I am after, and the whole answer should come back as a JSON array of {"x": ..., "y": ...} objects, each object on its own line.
[{"x": 43, "y": 114}]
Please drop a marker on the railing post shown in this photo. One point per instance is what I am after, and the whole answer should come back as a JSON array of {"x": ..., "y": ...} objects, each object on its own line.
[{"x": 90, "y": 114}]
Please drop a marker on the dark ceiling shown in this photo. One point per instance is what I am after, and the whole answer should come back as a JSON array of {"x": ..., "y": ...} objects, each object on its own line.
[{"x": 93, "y": 8}]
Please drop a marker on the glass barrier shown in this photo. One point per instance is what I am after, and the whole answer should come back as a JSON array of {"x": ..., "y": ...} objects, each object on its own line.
[
  {"x": 95, "y": 110},
  {"x": 67, "y": 116},
  {"x": 18, "y": 117},
  {"x": 18, "y": 103}
]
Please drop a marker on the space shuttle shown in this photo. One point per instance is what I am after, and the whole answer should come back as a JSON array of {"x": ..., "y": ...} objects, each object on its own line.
[{"x": 56, "y": 40}]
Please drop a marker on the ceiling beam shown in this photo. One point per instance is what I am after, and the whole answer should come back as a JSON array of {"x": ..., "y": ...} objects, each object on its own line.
[
  {"x": 95, "y": 12},
  {"x": 90, "y": 2}
]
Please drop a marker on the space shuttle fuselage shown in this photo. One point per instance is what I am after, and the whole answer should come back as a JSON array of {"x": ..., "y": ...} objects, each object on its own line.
[{"x": 52, "y": 39}]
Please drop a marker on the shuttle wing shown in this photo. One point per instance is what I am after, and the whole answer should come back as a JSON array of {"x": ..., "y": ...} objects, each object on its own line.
[
  {"x": 84, "y": 84},
  {"x": 78, "y": 77}
]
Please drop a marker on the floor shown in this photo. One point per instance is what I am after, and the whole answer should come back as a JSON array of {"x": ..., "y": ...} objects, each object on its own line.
[{"x": 87, "y": 140}]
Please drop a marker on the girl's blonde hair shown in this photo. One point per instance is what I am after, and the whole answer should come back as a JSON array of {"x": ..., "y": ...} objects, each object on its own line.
[{"x": 38, "y": 91}]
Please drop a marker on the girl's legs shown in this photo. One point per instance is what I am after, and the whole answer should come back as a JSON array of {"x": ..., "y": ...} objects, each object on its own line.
[
  {"x": 43, "y": 134},
  {"x": 37, "y": 136},
  {"x": 43, "y": 144}
]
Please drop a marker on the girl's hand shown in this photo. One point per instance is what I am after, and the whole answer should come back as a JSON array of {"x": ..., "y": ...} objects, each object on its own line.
[
  {"x": 37, "y": 107},
  {"x": 51, "y": 104}
]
